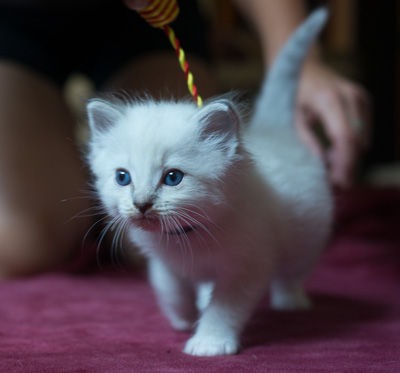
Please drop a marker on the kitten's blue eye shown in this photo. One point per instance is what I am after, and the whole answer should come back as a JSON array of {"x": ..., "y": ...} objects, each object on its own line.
[
  {"x": 122, "y": 177},
  {"x": 173, "y": 178}
]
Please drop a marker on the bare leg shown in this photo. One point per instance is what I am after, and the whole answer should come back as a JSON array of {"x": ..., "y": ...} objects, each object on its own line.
[{"x": 39, "y": 167}]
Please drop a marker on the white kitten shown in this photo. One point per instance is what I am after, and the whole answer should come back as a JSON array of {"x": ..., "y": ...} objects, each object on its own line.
[{"x": 221, "y": 210}]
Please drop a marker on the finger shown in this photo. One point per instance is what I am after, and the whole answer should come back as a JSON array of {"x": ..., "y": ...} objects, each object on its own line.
[
  {"x": 303, "y": 124},
  {"x": 342, "y": 167},
  {"x": 136, "y": 4},
  {"x": 359, "y": 112},
  {"x": 342, "y": 158}
]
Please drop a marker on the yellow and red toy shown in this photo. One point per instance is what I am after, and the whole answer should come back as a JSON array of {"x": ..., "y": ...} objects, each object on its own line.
[{"x": 159, "y": 14}]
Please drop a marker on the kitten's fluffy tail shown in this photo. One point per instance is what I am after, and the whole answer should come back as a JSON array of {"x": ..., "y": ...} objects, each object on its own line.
[{"x": 276, "y": 103}]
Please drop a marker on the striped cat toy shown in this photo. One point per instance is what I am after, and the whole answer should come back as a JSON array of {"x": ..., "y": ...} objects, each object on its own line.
[{"x": 159, "y": 14}]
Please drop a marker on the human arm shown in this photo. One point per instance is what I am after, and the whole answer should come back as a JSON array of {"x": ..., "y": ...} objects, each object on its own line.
[{"x": 340, "y": 105}]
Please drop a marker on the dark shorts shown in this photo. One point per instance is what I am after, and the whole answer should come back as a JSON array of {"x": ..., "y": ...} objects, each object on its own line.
[{"x": 96, "y": 42}]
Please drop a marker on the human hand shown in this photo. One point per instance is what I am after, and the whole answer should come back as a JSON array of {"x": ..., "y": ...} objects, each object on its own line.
[
  {"x": 136, "y": 4},
  {"x": 342, "y": 107}
]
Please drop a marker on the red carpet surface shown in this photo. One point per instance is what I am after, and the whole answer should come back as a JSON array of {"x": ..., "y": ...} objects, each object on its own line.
[{"x": 108, "y": 321}]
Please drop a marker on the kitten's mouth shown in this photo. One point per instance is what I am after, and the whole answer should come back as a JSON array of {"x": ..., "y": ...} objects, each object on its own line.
[
  {"x": 183, "y": 230},
  {"x": 148, "y": 224},
  {"x": 152, "y": 224}
]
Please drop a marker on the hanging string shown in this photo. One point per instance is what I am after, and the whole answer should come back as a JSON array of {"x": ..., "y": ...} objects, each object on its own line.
[{"x": 159, "y": 14}]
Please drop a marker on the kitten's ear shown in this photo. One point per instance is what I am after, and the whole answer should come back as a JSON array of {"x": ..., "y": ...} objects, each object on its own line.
[
  {"x": 221, "y": 119},
  {"x": 102, "y": 115}
]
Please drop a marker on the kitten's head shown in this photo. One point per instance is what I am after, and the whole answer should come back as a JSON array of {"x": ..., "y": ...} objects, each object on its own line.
[{"x": 163, "y": 165}]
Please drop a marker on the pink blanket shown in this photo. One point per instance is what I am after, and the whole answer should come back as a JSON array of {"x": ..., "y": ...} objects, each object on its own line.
[{"x": 108, "y": 321}]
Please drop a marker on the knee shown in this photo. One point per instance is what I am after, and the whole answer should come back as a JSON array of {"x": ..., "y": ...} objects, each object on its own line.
[{"x": 29, "y": 246}]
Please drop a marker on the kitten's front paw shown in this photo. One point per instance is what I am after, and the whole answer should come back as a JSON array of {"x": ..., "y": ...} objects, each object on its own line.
[{"x": 211, "y": 346}]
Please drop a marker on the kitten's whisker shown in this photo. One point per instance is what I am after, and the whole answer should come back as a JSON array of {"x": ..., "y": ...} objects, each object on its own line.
[
  {"x": 123, "y": 230},
  {"x": 174, "y": 227},
  {"x": 201, "y": 215},
  {"x": 85, "y": 194},
  {"x": 82, "y": 214},
  {"x": 103, "y": 234},
  {"x": 169, "y": 227},
  {"x": 192, "y": 221},
  {"x": 186, "y": 244},
  {"x": 206, "y": 217},
  {"x": 116, "y": 245},
  {"x": 188, "y": 240},
  {"x": 163, "y": 227},
  {"x": 75, "y": 198},
  {"x": 90, "y": 229},
  {"x": 116, "y": 222},
  {"x": 86, "y": 236}
]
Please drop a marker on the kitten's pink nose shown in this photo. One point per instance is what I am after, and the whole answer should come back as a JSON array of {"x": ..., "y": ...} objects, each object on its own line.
[{"x": 143, "y": 206}]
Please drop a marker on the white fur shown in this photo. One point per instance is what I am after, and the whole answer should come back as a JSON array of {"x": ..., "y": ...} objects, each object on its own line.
[{"x": 258, "y": 199}]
